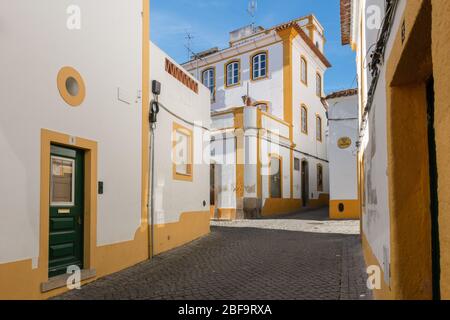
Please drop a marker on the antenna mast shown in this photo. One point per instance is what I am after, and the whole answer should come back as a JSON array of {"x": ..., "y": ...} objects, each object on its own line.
[
  {"x": 189, "y": 38},
  {"x": 252, "y": 8}
]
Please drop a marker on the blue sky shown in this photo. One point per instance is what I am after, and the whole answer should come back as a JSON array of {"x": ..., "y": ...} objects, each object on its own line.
[{"x": 210, "y": 21}]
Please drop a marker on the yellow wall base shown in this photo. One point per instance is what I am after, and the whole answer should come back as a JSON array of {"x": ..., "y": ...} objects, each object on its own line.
[
  {"x": 274, "y": 206},
  {"x": 19, "y": 281},
  {"x": 226, "y": 213},
  {"x": 284, "y": 206},
  {"x": 192, "y": 225},
  {"x": 352, "y": 209},
  {"x": 322, "y": 201},
  {"x": 385, "y": 292}
]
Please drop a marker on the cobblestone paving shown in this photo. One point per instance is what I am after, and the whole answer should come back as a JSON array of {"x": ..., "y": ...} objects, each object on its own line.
[
  {"x": 313, "y": 221},
  {"x": 261, "y": 259}
]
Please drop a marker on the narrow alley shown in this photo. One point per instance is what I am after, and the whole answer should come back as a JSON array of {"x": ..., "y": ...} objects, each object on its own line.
[{"x": 299, "y": 256}]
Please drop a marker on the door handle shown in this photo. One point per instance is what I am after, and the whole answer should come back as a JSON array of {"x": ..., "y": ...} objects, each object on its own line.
[{"x": 79, "y": 220}]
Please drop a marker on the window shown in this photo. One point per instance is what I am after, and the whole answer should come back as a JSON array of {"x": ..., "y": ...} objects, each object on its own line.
[
  {"x": 209, "y": 80},
  {"x": 304, "y": 119},
  {"x": 304, "y": 71},
  {"x": 182, "y": 153},
  {"x": 232, "y": 74},
  {"x": 319, "y": 178},
  {"x": 296, "y": 164},
  {"x": 319, "y": 128},
  {"x": 259, "y": 66},
  {"x": 62, "y": 181},
  {"x": 318, "y": 85},
  {"x": 275, "y": 177}
]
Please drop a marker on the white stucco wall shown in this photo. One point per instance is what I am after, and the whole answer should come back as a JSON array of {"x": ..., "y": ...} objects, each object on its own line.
[
  {"x": 173, "y": 197},
  {"x": 375, "y": 218},
  {"x": 107, "y": 52},
  {"x": 343, "y": 119}
]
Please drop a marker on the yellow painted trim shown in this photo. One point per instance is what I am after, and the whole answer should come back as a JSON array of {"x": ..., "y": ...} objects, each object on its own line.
[
  {"x": 266, "y": 52},
  {"x": 258, "y": 152},
  {"x": 265, "y": 102},
  {"x": 277, "y": 206},
  {"x": 90, "y": 195},
  {"x": 190, "y": 165},
  {"x": 240, "y": 152},
  {"x": 191, "y": 226},
  {"x": 271, "y": 116},
  {"x": 271, "y": 133},
  {"x": 352, "y": 209},
  {"x": 441, "y": 72},
  {"x": 288, "y": 35},
  {"x": 229, "y": 111},
  {"x": 280, "y": 158},
  {"x": 385, "y": 292},
  {"x": 225, "y": 73},
  {"x": 64, "y": 74},
  {"x": 226, "y": 213}
]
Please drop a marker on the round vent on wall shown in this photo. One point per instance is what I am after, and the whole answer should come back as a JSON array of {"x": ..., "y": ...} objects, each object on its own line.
[{"x": 71, "y": 86}]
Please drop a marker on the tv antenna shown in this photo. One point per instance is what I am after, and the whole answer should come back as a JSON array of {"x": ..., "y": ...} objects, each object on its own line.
[
  {"x": 189, "y": 39},
  {"x": 252, "y": 8}
]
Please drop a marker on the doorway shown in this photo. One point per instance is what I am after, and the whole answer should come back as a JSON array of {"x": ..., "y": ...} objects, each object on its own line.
[
  {"x": 305, "y": 183},
  {"x": 66, "y": 214},
  {"x": 212, "y": 190},
  {"x": 275, "y": 183},
  {"x": 434, "y": 198}
]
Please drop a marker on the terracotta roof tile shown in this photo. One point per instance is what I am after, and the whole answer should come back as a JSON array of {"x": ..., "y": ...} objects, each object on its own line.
[
  {"x": 305, "y": 38},
  {"x": 343, "y": 93},
  {"x": 346, "y": 18}
]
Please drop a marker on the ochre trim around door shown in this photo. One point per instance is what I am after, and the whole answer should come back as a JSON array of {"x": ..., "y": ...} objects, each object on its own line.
[{"x": 90, "y": 194}]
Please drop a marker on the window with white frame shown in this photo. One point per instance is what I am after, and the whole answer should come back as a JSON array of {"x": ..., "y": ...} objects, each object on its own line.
[
  {"x": 318, "y": 128},
  {"x": 318, "y": 85},
  {"x": 182, "y": 153},
  {"x": 232, "y": 76},
  {"x": 209, "y": 81},
  {"x": 304, "y": 119},
  {"x": 259, "y": 66},
  {"x": 304, "y": 71}
]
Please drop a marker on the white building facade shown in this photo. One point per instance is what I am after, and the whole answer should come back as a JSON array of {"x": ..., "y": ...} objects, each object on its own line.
[
  {"x": 269, "y": 146},
  {"x": 74, "y": 135},
  {"x": 343, "y": 154}
]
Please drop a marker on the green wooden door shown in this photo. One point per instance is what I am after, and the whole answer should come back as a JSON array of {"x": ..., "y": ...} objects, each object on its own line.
[{"x": 66, "y": 209}]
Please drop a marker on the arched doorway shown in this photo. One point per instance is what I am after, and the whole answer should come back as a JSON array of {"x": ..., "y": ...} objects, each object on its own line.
[{"x": 305, "y": 183}]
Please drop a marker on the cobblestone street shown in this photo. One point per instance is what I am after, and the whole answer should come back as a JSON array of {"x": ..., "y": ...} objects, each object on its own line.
[{"x": 301, "y": 256}]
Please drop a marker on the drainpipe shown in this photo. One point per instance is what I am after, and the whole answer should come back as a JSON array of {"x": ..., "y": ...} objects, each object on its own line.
[{"x": 154, "y": 110}]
